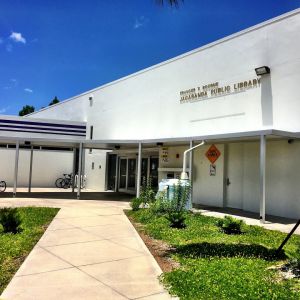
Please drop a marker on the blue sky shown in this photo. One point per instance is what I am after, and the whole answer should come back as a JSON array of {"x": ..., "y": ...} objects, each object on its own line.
[{"x": 62, "y": 48}]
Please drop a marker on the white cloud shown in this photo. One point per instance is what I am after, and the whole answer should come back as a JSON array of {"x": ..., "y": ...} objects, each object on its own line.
[
  {"x": 28, "y": 90},
  {"x": 11, "y": 84},
  {"x": 3, "y": 109},
  {"x": 139, "y": 22},
  {"x": 17, "y": 37}
]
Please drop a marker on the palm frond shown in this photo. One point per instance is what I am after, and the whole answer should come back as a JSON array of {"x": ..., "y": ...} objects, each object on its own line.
[{"x": 169, "y": 2}]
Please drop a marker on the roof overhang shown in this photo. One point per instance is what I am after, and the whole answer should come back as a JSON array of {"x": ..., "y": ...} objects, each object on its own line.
[{"x": 127, "y": 144}]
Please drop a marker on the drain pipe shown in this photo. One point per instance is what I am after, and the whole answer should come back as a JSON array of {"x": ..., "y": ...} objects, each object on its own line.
[{"x": 184, "y": 175}]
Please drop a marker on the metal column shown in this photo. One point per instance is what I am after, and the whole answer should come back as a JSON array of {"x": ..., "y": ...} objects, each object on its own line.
[
  {"x": 79, "y": 171},
  {"x": 117, "y": 174},
  {"x": 74, "y": 171},
  {"x": 262, "y": 179},
  {"x": 30, "y": 169},
  {"x": 139, "y": 171},
  {"x": 83, "y": 162},
  {"x": 16, "y": 168},
  {"x": 191, "y": 173}
]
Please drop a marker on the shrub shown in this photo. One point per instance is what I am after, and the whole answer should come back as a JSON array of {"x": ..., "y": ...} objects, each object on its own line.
[
  {"x": 176, "y": 219},
  {"x": 176, "y": 205},
  {"x": 135, "y": 204},
  {"x": 147, "y": 194},
  {"x": 230, "y": 225},
  {"x": 160, "y": 205},
  {"x": 10, "y": 220}
]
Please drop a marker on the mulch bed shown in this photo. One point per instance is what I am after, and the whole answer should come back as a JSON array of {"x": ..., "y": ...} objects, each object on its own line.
[{"x": 159, "y": 249}]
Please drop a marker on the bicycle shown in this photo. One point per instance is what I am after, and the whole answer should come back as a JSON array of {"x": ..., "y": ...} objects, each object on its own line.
[
  {"x": 2, "y": 186},
  {"x": 65, "y": 182}
]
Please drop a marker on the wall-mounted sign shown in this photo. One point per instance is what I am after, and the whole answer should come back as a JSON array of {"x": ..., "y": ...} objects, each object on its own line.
[
  {"x": 164, "y": 155},
  {"x": 213, "y": 154},
  {"x": 212, "y": 170},
  {"x": 213, "y": 90}
]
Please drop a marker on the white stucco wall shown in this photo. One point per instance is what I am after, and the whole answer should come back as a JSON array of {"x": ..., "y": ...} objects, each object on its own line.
[
  {"x": 234, "y": 173},
  {"x": 96, "y": 176},
  {"x": 251, "y": 175},
  {"x": 208, "y": 190},
  {"x": 73, "y": 109},
  {"x": 47, "y": 166},
  {"x": 282, "y": 178}
]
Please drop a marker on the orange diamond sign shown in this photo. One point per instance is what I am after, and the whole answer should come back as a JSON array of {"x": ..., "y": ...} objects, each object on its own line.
[{"x": 213, "y": 153}]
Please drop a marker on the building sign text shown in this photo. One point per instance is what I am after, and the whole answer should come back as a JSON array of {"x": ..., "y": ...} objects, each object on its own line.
[{"x": 213, "y": 90}]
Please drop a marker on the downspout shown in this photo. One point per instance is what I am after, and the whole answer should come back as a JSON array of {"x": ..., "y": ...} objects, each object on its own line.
[{"x": 184, "y": 175}]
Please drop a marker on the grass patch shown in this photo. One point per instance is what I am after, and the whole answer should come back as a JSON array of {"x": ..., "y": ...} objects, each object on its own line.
[
  {"x": 214, "y": 265},
  {"x": 15, "y": 247}
]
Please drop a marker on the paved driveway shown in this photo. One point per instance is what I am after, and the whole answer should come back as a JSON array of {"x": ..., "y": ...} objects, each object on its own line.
[{"x": 89, "y": 251}]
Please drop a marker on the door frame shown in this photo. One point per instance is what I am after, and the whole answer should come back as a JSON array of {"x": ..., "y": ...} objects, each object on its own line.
[
  {"x": 126, "y": 190},
  {"x": 228, "y": 177}
]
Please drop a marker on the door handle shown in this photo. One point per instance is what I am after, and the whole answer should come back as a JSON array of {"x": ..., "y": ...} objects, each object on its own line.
[{"x": 228, "y": 181}]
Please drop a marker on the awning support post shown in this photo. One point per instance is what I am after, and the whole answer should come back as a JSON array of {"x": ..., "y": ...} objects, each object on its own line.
[
  {"x": 191, "y": 174},
  {"x": 117, "y": 170},
  {"x": 16, "y": 168},
  {"x": 30, "y": 169},
  {"x": 139, "y": 172},
  {"x": 79, "y": 171},
  {"x": 73, "y": 172},
  {"x": 262, "y": 177}
]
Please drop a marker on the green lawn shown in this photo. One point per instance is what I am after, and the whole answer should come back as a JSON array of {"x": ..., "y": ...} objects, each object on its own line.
[
  {"x": 214, "y": 265},
  {"x": 15, "y": 247}
]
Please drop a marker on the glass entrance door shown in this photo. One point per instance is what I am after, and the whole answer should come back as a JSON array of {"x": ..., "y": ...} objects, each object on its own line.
[
  {"x": 123, "y": 173},
  {"x": 154, "y": 161},
  {"x": 128, "y": 173},
  {"x": 111, "y": 171},
  {"x": 131, "y": 173},
  {"x": 144, "y": 171}
]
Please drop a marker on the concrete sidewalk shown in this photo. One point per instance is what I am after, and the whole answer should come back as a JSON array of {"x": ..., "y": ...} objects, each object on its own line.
[
  {"x": 272, "y": 222},
  {"x": 89, "y": 251}
]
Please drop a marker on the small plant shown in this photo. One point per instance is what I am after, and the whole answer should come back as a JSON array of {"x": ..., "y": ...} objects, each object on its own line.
[
  {"x": 10, "y": 220},
  {"x": 135, "y": 204},
  {"x": 176, "y": 207},
  {"x": 176, "y": 219},
  {"x": 160, "y": 205},
  {"x": 147, "y": 193},
  {"x": 230, "y": 225}
]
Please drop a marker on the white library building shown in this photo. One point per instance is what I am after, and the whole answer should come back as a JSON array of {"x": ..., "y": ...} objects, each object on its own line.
[{"x": 239, "y": 97}]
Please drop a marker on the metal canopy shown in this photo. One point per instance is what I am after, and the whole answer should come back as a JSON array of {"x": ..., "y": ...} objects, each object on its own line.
[{"x": 129, "y": 144}]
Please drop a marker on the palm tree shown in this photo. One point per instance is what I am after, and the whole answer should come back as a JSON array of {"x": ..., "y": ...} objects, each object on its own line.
[{"x": 170, "y": 2}]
